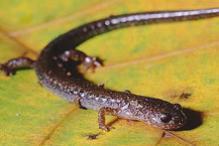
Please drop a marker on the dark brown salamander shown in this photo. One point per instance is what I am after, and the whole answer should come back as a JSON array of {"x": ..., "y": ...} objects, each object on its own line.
[{"x": 57, "y": 64}]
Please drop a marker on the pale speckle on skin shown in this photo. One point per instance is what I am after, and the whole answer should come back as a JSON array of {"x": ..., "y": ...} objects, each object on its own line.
[
  {"x": 99, "y": 24},
  {"x": 68, "y": 73},
  {"x": 55, "y": 82},
  {"x": 125, "y": 107},
  {"x": 128, "y": 113},
  {"x": 113, "y": 100},
  {"x": 92, "y": 27},
  {"x": 83, "y": 95},
  {"x": 118, "y": 101},
  {"x": 135, "y": 104},
  {"x": 85, "y": 29},
  {"x": 55, "y": 58},
  {"x": 60, "y": 65},
  {"x": 49, "y": 72},
  {"x": 107, "y": 22},
  {"x": 104, "y": 99}
]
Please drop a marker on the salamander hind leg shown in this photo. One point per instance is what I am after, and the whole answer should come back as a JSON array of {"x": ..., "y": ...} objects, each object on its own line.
[
  {"x": 12, "y": 65},
  {"x": 101, "y": 117},
  {"x": 88, "y": 62}
]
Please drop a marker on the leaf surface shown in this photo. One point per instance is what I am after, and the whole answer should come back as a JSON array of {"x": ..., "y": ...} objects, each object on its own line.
[{"x": 177, "y": 62}]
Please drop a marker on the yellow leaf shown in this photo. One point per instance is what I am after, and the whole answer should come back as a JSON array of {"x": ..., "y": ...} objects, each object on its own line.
[{"x": 177, "y": 62}]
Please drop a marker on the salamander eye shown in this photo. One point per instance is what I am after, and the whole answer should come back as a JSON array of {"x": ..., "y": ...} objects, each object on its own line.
[{"x": 165, "y": 118}]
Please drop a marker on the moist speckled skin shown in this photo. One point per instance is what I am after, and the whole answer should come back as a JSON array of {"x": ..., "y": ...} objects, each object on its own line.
[{"x": 61, "y": 75}]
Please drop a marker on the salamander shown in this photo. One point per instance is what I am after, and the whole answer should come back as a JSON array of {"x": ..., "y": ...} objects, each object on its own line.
[{"x": 57, "y": 70}]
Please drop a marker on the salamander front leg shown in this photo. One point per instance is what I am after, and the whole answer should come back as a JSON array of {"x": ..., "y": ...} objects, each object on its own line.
[
  {"x": 81, "y": 106},
  {"x": 92, "y": 63},
  {"x": 11, "y": 66},
  {"x": 101, "y": 117},
  {"x": 88, "y": 62}
]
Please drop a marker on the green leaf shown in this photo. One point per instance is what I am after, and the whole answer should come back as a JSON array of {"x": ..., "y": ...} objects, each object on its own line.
[{"x": 177, "y": 62}]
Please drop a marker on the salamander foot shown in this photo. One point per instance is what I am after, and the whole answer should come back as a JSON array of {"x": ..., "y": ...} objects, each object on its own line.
[
  {"x": 92, "y": 63},
  {"x": 10, "y": 67},
  {"x": 7, "y": 70}
]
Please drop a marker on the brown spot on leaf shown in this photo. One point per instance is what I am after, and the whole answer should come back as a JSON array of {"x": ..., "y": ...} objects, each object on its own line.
[
  {"x": 92, "y": 136},
  {"x": 182, "y": 93}
]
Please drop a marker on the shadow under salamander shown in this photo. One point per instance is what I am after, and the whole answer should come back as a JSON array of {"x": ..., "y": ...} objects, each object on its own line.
[{"x": 194, "y": 119}]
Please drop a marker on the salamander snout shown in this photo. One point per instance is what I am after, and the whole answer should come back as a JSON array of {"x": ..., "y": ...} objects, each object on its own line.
[
  {"x": 174, "y": 119},
  {"x": 170, "y": 118}
]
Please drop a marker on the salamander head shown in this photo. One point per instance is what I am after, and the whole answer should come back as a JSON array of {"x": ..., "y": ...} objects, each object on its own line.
[{"x": 169, "y": 117}]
